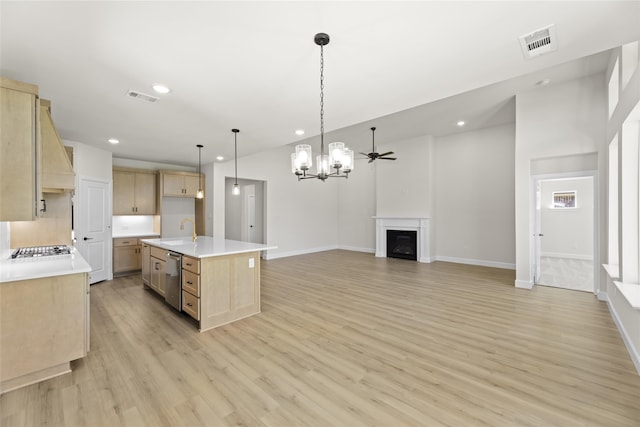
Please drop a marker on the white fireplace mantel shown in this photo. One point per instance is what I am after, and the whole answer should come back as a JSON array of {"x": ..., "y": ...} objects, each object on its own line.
[{"x": 420, "y": 225}]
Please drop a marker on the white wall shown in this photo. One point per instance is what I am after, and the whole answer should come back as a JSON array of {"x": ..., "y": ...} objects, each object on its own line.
[
  {"x": 301, "y": 217},
  {"x": 90, "y": 161},
  {"x": 234, "y": 209},
  {"x": 403, "y": 185},
  {"x": 567, "y": 232},
  {"x": 356, "y": 208},
  {"x": 474, "y": 219},
  {"x": 552, "y": 121},
  {"x": 626, "y": 317}
]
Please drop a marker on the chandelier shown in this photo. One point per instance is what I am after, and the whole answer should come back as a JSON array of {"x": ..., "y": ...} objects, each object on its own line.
[{"x": 339, "y": 158}]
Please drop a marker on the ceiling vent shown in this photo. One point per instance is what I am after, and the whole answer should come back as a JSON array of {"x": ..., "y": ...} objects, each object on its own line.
[
  {"x": 142, "y": 96},
  {"x": 539, "y": 42}
]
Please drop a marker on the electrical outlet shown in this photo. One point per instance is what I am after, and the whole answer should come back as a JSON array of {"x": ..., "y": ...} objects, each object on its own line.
[{"x": 251, "y": 263}]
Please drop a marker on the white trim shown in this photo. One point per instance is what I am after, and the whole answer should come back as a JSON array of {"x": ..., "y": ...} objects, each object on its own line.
[
  {"x": 567, "y": 256},
  {"x": 270, "y": 255},
  {"x": 630, "y": 292},
  {"x": 533, "y": 226},
  {"x": 357, "y": 249},
  {"x": 633, "y": 353},
  {"x": 419, "y": 225},
  {"x": 480, "y": 262},
  {"x": 524, "y": 284},
  {"x": 602, "y": 296}
]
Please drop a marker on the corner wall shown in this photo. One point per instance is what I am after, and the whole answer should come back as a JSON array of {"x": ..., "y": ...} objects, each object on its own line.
[{"x": 557, "y": 120}]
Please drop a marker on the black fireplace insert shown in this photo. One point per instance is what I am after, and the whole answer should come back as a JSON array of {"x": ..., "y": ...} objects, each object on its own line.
[{"x": 402, "y": 244}]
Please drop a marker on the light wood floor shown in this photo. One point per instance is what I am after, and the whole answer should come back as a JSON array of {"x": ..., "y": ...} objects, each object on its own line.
[{"x": 347, "y": 339}]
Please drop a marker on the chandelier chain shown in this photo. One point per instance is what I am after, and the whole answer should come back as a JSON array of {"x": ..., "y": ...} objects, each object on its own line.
[{"x": 321, "y": 100}]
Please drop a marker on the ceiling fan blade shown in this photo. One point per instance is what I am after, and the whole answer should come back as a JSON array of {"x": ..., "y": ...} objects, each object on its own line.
[
  {"x": 387, "y": 158},
  {"x": 371, "y": 160},
  {"x": 364, "y": 154},
  {"x": 385, "y": 154}
]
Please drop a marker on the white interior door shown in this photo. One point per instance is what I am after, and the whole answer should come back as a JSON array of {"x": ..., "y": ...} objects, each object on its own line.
[{"x": 93, "y": 230}]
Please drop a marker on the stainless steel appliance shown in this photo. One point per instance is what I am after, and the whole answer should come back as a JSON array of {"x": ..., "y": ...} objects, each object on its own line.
[
  {"x": 173, "y": 289},
  {"x": 41, "y": 251}
]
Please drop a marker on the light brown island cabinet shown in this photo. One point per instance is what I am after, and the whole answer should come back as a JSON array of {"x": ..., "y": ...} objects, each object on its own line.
[
  {"x": 146, "y": 264},
  {"x": 158, "y": 268},
  {"x": 44, "y": 324},
  {"x": 180, "y": 184},
  {"x": 19, "y": 141},
  {"x": 134, "y": 192},
  {"x": 217, "y": 290}
]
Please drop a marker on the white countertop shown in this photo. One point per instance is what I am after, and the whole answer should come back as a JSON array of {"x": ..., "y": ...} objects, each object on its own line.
[
  {"x": 206, "y": 246},
  {"x": 12, "y": 270},
  {"x": 119, "y": 235}
]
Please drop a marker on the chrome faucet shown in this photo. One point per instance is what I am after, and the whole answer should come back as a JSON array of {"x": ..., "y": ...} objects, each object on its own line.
[{"x": 194, "y": 236}]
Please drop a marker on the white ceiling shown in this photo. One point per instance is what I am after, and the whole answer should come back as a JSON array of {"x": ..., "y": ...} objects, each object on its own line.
[{"x": 409, "y": 68}]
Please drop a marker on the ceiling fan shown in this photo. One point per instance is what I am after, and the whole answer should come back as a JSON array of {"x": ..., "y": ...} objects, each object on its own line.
[{"x": 373, "y": 155}]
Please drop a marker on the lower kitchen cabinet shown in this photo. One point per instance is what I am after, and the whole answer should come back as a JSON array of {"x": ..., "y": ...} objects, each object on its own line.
[
  {"x": 158, "y": 268},
  {"x": 127, "y": 255},
  {"x": 191, "y": 286},
  {"x": 44, "y": 324}
]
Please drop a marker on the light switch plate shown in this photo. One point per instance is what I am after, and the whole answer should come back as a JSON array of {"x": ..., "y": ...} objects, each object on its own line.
[{"x": 251, "y": 263}]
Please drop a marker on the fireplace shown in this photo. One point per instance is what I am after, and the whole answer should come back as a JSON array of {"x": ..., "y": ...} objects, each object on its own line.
[
  {"x": 402, "y": 244},
  {"x": 420, "y": 226}
]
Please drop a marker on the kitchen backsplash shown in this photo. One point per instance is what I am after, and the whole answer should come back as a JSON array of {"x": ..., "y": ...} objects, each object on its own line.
[{"x": 130, "y": 225}]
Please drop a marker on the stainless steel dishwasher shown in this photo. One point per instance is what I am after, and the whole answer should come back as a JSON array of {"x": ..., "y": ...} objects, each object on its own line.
[{"x": 173, "y": 289}]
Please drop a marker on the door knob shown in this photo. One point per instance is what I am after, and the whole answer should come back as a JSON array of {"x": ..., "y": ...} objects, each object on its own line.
[{"x": 87, "y": 238}]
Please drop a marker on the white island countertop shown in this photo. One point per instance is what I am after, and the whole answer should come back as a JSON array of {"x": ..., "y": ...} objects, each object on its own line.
[
  {"x": 206, "y": 246},
  {"x": 12, "y": 270}
]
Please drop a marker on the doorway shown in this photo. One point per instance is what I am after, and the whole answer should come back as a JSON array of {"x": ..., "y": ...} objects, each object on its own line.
[
  {"x": 245, "y": 213},
  {"x": 565, "y": 233},
  {"x": 93, "y": 227}
]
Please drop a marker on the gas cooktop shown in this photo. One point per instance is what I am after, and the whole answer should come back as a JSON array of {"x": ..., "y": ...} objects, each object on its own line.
[{"x": 40, "y": 251}]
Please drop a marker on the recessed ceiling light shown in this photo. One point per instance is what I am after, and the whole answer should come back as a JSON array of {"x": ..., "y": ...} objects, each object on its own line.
[
  {"x": 299, "y": 132},
  {"x": 219, "y": 158},
  {"x": 113, "y": 140},
  {"x": 161, "y": 88},
  {"x": 543, "y": 82},
  {"x": 460, "y": 123}
]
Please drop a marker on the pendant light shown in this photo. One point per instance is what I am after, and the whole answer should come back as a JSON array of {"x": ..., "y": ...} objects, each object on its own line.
[
  {"x": 236, "y": 189},
  {"x": 200, "y": 193},
  {"x": 339, "y": 157}
]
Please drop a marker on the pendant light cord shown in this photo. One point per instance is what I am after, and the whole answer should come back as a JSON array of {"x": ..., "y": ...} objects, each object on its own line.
[
  {"x": 321, "y": 100},
  {"x": 235, "y": 143}
]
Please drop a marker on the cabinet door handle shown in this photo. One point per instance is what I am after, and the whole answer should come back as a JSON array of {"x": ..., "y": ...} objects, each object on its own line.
[
  {"x": 189, "y": 304},
  {"x": 189, "y": 283},
  {"x": 125, "y": 243},
  {"x": 188, "y": 263}
]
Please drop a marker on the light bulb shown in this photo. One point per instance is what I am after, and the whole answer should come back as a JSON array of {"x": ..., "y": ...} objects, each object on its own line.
[{"x": 236, "y": 190}]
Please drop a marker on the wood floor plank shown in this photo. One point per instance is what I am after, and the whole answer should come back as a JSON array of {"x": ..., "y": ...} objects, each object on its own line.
[{"x": 347, "y": 339}]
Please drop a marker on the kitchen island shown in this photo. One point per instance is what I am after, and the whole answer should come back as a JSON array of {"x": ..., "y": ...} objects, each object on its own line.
[
  {"x": 44, "y": 317},
  {"x": 219, "y": 278}
]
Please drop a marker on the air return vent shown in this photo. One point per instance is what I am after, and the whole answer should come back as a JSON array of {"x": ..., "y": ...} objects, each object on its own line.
[
  {"x": 539, "y": 42},
  {"x": 142, "y": 96}
]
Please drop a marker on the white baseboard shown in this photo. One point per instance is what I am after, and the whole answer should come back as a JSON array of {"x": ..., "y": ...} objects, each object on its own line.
[
  {"x": 524, "y": 284},
  {"x": 602, "y": 296},
  {"x": 567, "y": 256},
  {"x": 480, "y": 262},
  {"x": 633, "y": 352},
  {"x": 270, "y": 255},
  {"x": 357, "y": 249}
]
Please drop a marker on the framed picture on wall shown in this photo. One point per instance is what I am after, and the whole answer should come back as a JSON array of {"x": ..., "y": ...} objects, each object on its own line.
[{"x": 564, "y": 200}]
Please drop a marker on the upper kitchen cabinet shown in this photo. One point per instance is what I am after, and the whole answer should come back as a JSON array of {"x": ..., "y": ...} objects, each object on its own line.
[
  {"x": 56, "y": 170},
  {"x": 180, "y": 184},
  {"x": 19, "y": 140},
  {"x": 134, "y": 192}
]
